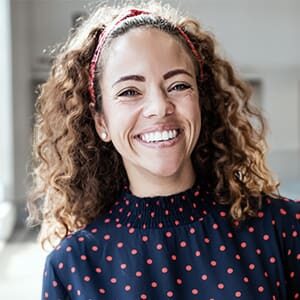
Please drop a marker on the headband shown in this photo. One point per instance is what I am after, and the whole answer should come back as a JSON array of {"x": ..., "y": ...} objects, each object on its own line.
[{"x": 105, "y": 33}]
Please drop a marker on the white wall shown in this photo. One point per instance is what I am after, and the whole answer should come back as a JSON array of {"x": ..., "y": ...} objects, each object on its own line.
[
  {"x": 261, "y": 38},
  {"x": 6, "y": 118}
]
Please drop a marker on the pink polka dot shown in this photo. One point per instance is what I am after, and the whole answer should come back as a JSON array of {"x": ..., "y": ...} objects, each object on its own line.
[
  {"x": 78, "y": 293},
  {"x": 102, "y": 291},
  {"x": 94, "y": 230},
  {"x": 222, "y": 248},
  {"x": 134, "y": 251},
  {"x": 213, "y": 263},
  {"x": 215, "y": 226},
  {"x": 243, "y": 244},
  {"x": 195, "y": 292},
  {"x": 237, "y": 257},
  {"x": 206, "y": 240},
  {"x": 109, "y": 258},
  {"x": 69, "y": 287},
  {"x": 73, "y": 270},
  {"x": 54, "y": 283},
  {"x": 192, "y": 230},
  {"x": 138, "y": 274},
  {"x": 230, "y": 235},
  {"x": 266, "y": 274},
  {"x": 170, "y": 294},
  {"x": 223, "y": 214},
  {"x": 283, "y": 211},
  {"x": 246, "y": 279},
  {"x": 173, "y": 257},
  {"x": 261, "y": 289},
  {"x": 197, "y": 253},
  {"x": 229, "y": 270},
  {"x": 81, "y": 239},
  {"x": 238, "y": 294},
  {"x": 107, "y": 237},
  {"x": 204, "y": 277},
  {"x": 127, "y": 287},
  {"x": 120, "y": 245},
  {"x": 113, "y": 280},
  {"x": 251, "y": 229},
  {"x": 60, "y": 265},
  {"x": 131, "y": 230},
  {"x": 278, "y": 283},
  {"x": 149, "y": 261},
  {"x": 292, "y": 274},
  {"x": 98, "y": 270},
  {"x": 179, "y": 281},
  {"x": 154, "y": 284},
  {"x": 258, "y": 251},
  {"x": 220, "y": 286},
  {"x": 272, "y": 260},
  {"x": 94, "y": 248},
  {"x": 86, "y": 278},
  {"x": 123, "y": 266},
  {"x": 188, "y": 268},
  {"x": 46, "y": 295},
  {"x": 168, "y": 234},
  {"x": 69, "y": 249},
  {"x": 183, "y": 244},
  {"x": 164, "y": 270},
  {"x": 252, "y": 266},
  {"x": 143, "y": 296},
  {"x": 145, "y": 238},
  {"x": 260, "y": 214},
  {"x": 83, "y": 257},
  {"x": 159, "y": 246},
  {"x": 266, "y": 237}
]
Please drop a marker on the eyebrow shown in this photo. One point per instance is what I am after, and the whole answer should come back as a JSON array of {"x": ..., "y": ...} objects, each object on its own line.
[{"x": 140, "y": 78}]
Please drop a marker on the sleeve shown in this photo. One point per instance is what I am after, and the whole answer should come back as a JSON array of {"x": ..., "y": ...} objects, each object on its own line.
[
  {"x": 52, "y": 288},
  {"x": 292, "y": 248}
]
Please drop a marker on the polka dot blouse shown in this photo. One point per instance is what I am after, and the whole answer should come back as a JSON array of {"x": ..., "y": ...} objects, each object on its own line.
[{"x": 179, "y": 247}]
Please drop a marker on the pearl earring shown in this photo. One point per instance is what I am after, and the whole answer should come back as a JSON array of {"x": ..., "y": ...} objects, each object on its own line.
[{"x": 103, "y": 135}]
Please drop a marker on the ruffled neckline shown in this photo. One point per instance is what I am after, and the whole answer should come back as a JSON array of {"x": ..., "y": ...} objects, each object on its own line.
[{"x": 161, "y": 211}]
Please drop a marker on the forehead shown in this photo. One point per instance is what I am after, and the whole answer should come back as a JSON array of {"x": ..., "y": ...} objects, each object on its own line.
[{"x": 142, "y": 49}]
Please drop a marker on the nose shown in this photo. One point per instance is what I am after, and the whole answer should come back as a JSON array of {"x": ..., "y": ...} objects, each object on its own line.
[{"x": 158, "y": 104}]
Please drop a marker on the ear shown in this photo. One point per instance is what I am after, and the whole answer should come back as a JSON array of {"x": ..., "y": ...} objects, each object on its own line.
[{"x": 100, "y": 124}]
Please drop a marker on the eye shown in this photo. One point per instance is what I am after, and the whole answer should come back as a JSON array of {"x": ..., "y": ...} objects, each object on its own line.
[
  {"x": 180, "y": 87},
  {"x": 128, "y": 93}
]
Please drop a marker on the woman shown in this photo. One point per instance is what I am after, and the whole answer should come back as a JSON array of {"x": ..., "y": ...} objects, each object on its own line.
[{"x": 151, "y": 173}]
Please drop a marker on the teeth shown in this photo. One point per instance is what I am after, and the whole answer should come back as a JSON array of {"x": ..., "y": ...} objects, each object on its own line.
[{"x": 159, "y": 136}]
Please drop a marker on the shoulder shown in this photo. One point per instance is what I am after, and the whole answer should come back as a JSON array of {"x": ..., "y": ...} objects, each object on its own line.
[
  {"x": 76, "y": 245},
  {"x": 281, "y": 207},
  {"x": 283, "y": 212}
]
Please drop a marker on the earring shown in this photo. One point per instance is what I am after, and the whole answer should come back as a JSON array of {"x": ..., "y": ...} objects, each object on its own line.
[{"x": 104, "y": 135}]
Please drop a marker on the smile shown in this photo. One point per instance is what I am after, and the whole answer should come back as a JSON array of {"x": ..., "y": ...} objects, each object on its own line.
[{"x": 159, "y": 136}]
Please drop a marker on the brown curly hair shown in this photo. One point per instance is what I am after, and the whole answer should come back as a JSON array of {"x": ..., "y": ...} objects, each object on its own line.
[{"x": 76, "y": 176}]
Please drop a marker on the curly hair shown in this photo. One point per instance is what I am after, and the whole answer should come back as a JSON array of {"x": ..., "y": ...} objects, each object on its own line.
[{"x": 76, "y": 176}]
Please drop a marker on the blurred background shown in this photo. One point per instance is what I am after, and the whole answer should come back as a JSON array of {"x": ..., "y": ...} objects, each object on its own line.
[{"x": 260, "y": 37}]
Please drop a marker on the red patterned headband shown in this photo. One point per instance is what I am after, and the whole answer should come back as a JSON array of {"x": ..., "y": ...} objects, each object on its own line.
[{"x": 105, "y": 34}]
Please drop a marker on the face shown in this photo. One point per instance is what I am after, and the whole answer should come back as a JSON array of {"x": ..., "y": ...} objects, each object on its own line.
[{"x": 150, "y": 105}]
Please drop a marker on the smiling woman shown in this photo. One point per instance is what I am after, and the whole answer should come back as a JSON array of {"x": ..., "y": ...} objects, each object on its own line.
[{"x": 148, "y": 172}]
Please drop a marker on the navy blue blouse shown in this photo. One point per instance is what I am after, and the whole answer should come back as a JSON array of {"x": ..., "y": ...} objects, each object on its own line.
[{"x": 181, "y": 246}]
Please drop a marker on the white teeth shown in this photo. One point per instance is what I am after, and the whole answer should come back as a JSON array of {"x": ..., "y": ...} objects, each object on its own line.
[{"x": 159, "y": 136}]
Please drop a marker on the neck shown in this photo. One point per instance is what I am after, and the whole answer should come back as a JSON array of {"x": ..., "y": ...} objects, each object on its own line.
[{"x": 149, "y": 185}]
